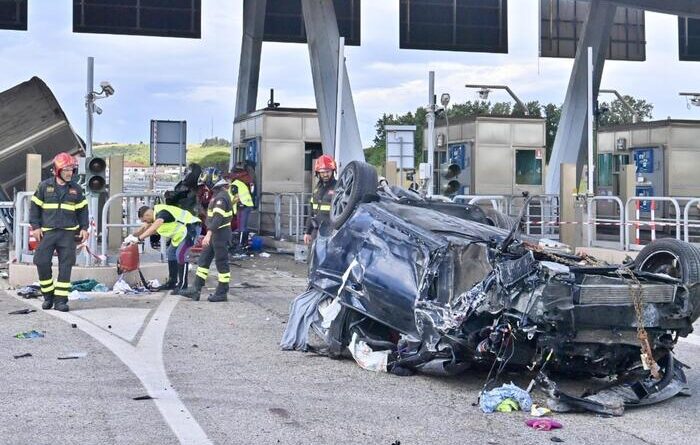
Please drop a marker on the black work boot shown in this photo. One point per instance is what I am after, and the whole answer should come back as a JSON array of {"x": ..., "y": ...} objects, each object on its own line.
[
  {"x": 48, "y": 301},
  {"x": 221, "y": 293},
  {"x": 181, "y": 280},
  {"x": 172, "y": 277},
  {"x": 195, "y": 291},
  {"x": 61, "y": 304}
]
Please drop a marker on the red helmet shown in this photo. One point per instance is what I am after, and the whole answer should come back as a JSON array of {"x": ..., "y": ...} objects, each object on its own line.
[
  {"x": 61, "y": 161},
  {"x": 324, "y": 162}
]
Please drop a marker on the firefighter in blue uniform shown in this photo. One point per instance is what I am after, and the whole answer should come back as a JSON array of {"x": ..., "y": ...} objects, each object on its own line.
[{"x": 58, "y": 212}]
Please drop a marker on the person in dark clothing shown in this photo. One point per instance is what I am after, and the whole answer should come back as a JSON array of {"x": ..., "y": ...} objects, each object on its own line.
[
  {"x": 58, "y": 211},
  {"x": 325, "y": 168},
  {"x": 184, "y": 195},
  {"x": 180, "y": 227},
  {"x": 215, "y": 245}
]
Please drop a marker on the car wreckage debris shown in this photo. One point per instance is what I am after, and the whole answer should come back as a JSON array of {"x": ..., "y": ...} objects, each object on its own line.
[{"x": 406, "y": 284}]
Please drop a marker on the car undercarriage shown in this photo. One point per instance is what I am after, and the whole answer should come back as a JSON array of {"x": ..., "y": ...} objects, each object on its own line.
[{"x": 404, "y": 284}]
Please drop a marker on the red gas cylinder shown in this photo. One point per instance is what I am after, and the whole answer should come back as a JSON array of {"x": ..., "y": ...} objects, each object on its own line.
[{"x": 129, "y": 258}]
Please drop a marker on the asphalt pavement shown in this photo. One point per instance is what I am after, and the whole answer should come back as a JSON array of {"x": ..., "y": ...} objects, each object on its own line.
[{"x": 219, "y": 377}]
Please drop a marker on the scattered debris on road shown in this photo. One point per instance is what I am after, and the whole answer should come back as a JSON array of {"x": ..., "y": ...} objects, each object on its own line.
[
  {"x": 543, "y": 424},
  {"x": 22, "y": 312},
  {"x": 146, "y": 397},
  {"x": 31, "y": 291},
  {"x": 27, "y": 354},
  {"x": 73, "y": 356},
  {"x": 29, "y": 334}
]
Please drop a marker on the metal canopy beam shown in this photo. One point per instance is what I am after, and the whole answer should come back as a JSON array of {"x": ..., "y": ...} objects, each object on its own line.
[
  {"x": 324, "y": 41},
  {"x": 686, "y": 8},
  {"x": 249, "y": 64},
  {"x": 571, "y": 142}
]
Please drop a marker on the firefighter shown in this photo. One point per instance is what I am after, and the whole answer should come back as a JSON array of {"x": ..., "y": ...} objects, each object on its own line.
[
  {"x": 215, "y": 245},
  {"x": 181, "y": 227},
  {"x": 243, "y": 204},
  {"x": 58, "y": 210},
  {"x": 325, "y": 169}
]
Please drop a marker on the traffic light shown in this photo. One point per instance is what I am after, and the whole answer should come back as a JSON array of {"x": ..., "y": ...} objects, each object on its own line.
[
  {"x": 95, "y": 178},
  {"x": 455, "y": 173},
  {"x": 449, "y": 178}
]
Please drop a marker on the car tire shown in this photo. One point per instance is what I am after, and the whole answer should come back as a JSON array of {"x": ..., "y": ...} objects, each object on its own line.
[
  {"x": 500, "y": 219},
  {"x": 357, "y": 180},
  {"x": 672, "y": 257}
]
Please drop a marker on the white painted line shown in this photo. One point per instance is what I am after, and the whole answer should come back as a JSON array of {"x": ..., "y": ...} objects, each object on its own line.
[
  {"x": 145, "y": 360},
  {"x": 120, "y": 321}
]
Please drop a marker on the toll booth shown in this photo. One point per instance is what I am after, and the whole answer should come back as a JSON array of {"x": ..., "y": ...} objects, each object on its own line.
[
  {"x": 665, "y": 154},
  {"x": 489, "y": 155},
  {"x": 280, "y": 144}
]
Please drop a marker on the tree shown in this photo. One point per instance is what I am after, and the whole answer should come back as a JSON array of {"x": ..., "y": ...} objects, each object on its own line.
[
  {"x": 218, "y": 159},
  {"x": 552, "y": 114},
  {"x": 215, "y": 142},
  {"x": 618, "y": 114}
]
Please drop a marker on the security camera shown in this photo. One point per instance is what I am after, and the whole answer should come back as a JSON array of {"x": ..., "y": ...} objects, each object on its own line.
[
  {"x": 695, "y": 101},
  {"x": 445, "y": 99},
  {"x": 107, "y": 88},
  {"x": 484, "y": 93},
  {"x": 98, "y": 110}
]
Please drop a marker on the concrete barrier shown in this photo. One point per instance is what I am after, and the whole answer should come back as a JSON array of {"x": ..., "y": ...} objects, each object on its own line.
[{"x": 24, "y": 274}]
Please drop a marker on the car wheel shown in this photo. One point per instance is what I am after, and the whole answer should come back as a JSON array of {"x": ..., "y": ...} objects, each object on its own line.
[
  {"x": 500, "y": 219},
  {"x": 672, "y": 257},
  {"x": 357, "y": 180}
]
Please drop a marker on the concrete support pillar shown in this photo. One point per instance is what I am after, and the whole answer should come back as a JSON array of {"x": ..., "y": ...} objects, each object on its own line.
[
  {"x": 570, "y": 234},
  {"x": 116, "y": 186},
  {"x": 570, "y": 145},
  {"x": 323, "y": 41},
  {"x": 251, "y": 48},
  {"x": 32, "y": 176}
]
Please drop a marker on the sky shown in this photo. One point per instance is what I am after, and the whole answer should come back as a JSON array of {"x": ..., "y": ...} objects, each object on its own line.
[{"x": 195, "y": 79}]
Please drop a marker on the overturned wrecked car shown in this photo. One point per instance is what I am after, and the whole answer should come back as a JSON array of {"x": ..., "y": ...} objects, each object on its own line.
[{"x": 406, "y": 284}]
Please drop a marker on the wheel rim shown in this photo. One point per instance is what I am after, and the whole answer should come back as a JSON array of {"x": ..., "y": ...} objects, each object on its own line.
[
  {"x": 343, "y": 190},
  {"x": 663, "y": 261}
]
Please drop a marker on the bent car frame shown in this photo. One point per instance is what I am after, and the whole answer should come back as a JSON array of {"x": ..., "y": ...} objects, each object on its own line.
[{"x": 436, "y": 287}]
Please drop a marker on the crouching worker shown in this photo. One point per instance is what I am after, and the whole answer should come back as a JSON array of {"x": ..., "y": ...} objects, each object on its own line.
[
  {"x": 176, "y": 224},
  {"x": 215, "y": 245},
  {"x": 58, "y": 211}
]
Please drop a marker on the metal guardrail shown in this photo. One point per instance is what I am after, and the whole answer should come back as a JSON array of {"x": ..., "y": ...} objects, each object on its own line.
[
  {"x": 593, "y": 220},
  {"x": 129, "y": 212},
  {"x": 498, "y": 202},
  {"x": 653, "y": 221},
  {"x": 687, "y": 224},
  {"x": 21, "y": 224},
  {"x": 294, "y": 215}
]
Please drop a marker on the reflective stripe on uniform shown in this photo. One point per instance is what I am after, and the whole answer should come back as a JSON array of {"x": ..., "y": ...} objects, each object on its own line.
[
  {"x": 46, "y": 285},
  {"x": 222, "y": 212},
  {"x": 320, "y": 206},
  {"x": 62, "y": 205},
  {"x": 224, "y": 277},
  {"x": 46, "y": 229},
  {"x": 202, "y": 272},
  {"x": 62, "y": 289}
]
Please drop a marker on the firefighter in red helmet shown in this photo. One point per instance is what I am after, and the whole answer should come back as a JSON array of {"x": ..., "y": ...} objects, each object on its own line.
[
  {"x": 58, "y": 212},
  {"x": 325, "y": 169}
]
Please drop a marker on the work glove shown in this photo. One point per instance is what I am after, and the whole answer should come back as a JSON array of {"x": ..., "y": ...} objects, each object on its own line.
[{"x": 131, "y": 239}]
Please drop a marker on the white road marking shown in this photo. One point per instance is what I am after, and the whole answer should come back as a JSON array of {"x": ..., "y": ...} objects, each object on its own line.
[
  {"x": 120, "y": 321},
  {"x": 145, "y": 360}
]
